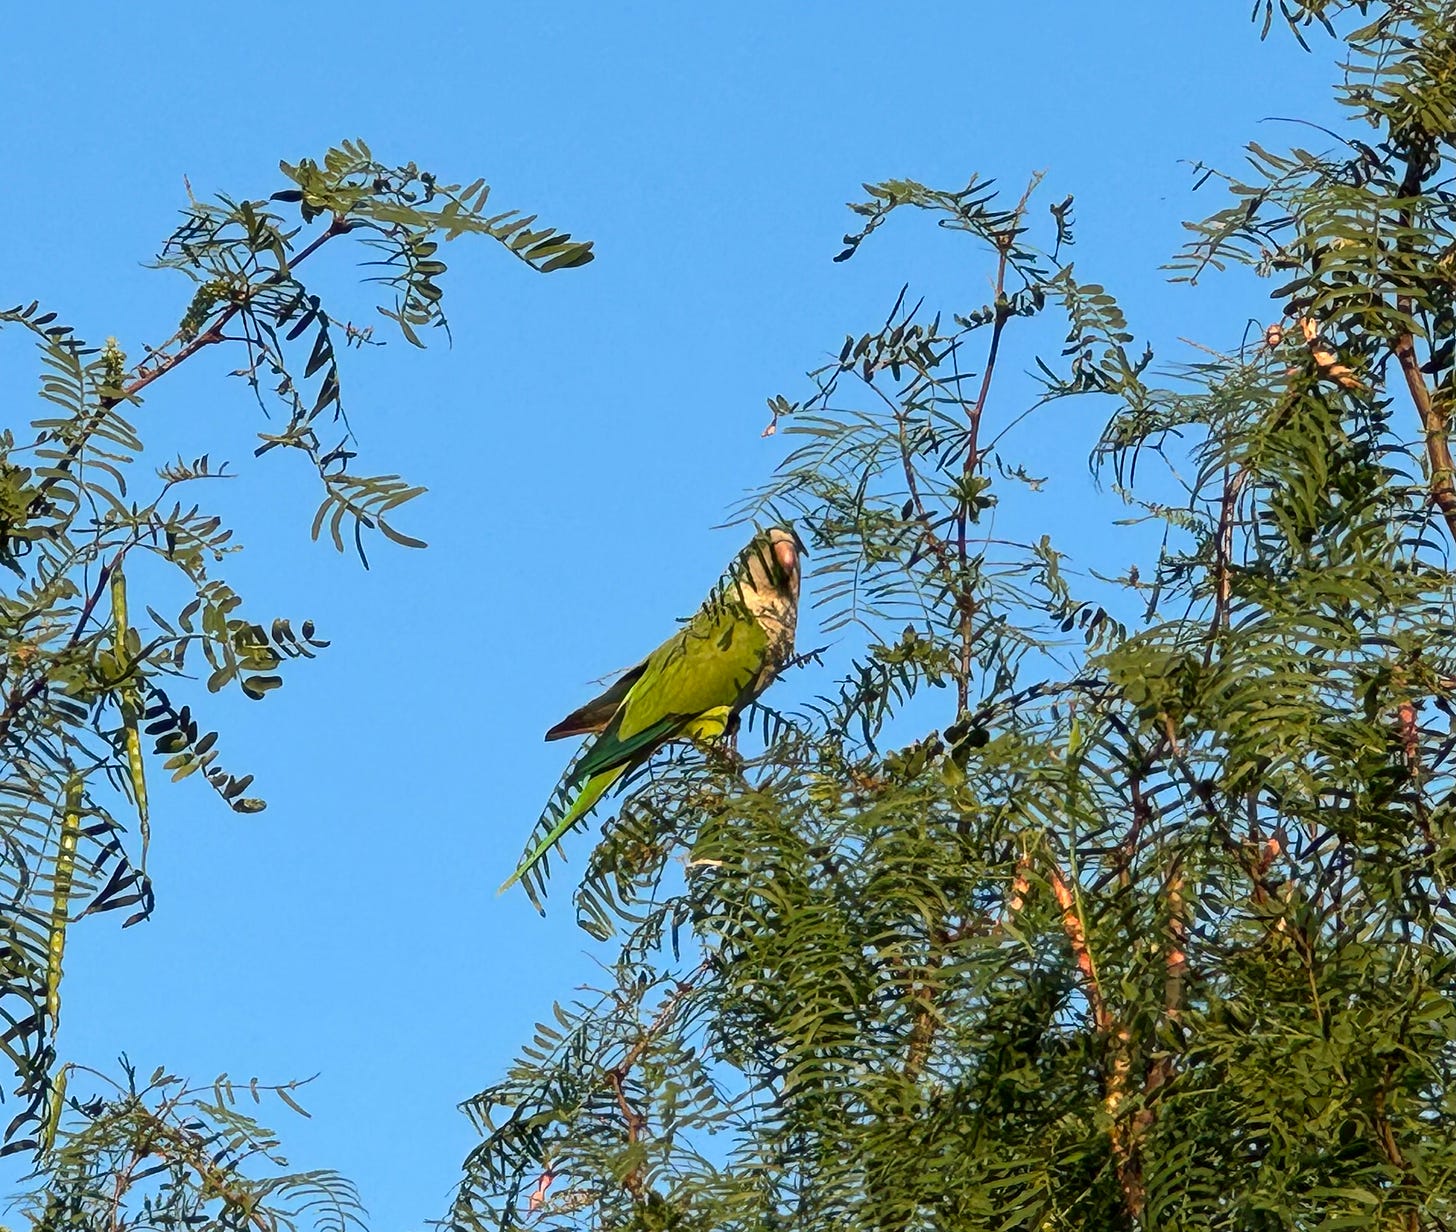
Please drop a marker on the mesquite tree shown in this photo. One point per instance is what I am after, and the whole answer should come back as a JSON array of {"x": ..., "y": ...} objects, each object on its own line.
[
  {"x": 101, "y": 693},
  {"x": 1075, "y": 902}
]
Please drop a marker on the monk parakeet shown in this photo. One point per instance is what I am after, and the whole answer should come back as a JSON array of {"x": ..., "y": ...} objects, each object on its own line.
[{"x": 693, "y": 685}]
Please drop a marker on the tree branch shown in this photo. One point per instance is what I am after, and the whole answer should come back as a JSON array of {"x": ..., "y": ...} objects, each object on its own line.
[
  {"x": 927, "y": 1017},
  {"x": 1433, "y": 425},
  {"x": 1077, "y": 935},
  {"x": 635, "y": 1120},
  {"x": 213, "y": 1178},
  {"x": 1122, "y": 1132},
  {"x": 1224, "y": 550},
  {"x": 1433, "y": 419},
  {"x": 213, "y": 334}
]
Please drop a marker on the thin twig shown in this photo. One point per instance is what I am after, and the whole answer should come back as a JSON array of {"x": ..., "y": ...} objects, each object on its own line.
[
  {"x": 1223, "y": 555},
  {"x": 1001, "y": 313},
  {"x": 337, "y": 226},
  {"x": 213, "y": 334},
  {"x": 933, "y": 541},
  {"x": 195, "y": 1156},
  {"x": 22, "y": 697},
  {"x": 635, "y": 1121},
  {"x": 1002, "y": 310}
]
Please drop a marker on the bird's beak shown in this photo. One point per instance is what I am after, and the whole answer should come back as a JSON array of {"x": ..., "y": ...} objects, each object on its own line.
[{"x": 787, "y": 556}]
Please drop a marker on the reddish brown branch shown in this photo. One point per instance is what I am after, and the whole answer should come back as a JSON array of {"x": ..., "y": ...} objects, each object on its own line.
[
  {"x": 1122, "y": 1131},
  {"x": 636, "y": 1123},
  {"x": 213, "y": 334},
  {"x": 1020, "y": 888},
  {"x": 1176, "y": 959},
  {"x": 1077, "y": 935},
  {"x": 1175, "y": 970},
  {"x": 538, "y": 1195},
  {"x": 1410, "y": 739},
  {"x": 1385, "y": 1134},
  {"x": 1433, "y": 419},
  {"x": 1433, "y": 427},
  {"x": 998, "y": 325},
  {"x": 634, "y": 1120},
  {"x": 1005, "y": 241},
  {"x": 22, "y": 695},
  {"x": 1326, "y": 359},
  {"x": 171, "y": 1143},
  {"x": 1128, "y": 1140},
  {"x": 1126, "y": 1131}
]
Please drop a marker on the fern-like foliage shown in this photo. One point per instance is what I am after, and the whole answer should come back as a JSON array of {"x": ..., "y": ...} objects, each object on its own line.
[
  {"x": 164, "y": 1153},
  {"x": 1072, "y": 902},
  {"x": 118, "y": 618}
]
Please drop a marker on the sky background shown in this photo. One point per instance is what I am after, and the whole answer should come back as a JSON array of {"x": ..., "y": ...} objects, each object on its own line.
[{"x": 580, "y": 440}]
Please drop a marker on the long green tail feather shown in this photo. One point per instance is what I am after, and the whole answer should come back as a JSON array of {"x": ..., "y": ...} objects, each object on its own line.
[{"x": 591, "y": 792}]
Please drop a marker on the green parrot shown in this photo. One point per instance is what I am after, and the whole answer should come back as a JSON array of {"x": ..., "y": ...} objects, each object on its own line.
[{"x": 693, "y": 685}]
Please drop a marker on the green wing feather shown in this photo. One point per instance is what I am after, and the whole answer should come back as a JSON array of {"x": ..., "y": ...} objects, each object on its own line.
[{"x": 709, "y": 665}]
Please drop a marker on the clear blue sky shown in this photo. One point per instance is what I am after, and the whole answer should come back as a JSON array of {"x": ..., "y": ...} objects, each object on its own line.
[{"x": 580, "y": 440}]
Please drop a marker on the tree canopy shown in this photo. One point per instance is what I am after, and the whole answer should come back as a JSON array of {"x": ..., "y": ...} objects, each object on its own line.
[
  {"x": 1069, "y": 901},
  {"x": 118, "y": 603},
  {"x": 1076, "y": 901}
]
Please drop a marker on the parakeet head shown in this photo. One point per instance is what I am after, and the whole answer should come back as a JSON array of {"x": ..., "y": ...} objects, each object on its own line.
[
  {"x": 766, "y": 577},
  {"x": 769, "y": 565}
]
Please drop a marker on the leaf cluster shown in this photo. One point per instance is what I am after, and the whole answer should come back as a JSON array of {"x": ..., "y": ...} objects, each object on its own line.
[
  {"x": 163, "y": 1153},
  {"x": 119, "y": 620},
  {"x": 1072, "y": 902}
]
